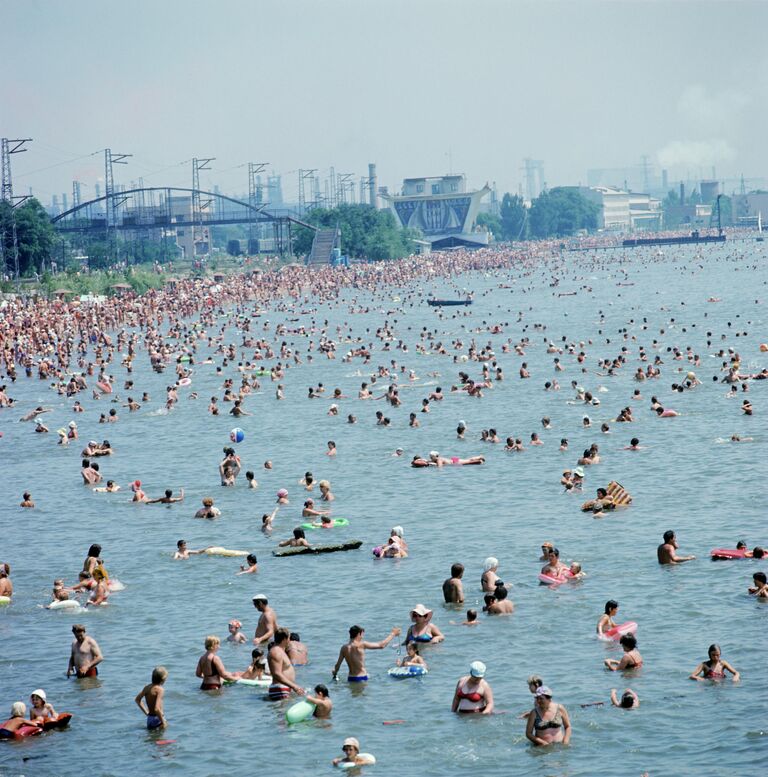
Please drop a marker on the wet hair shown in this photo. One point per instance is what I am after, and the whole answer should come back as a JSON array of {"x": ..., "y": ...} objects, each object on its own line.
[
  {"x": 712, "y": 648},
  {"x": 634, "y": 441},
  {"x": 295, "y": 637},
  {"x": 159, "y": 675},
  {"x": 179, "y": 543},
  {"x": 500, "y": 591},
  {"x": 94, "y": 551},
  {"x": 322, "y": 690},
  {"x": 489, "y": 600},
  {"x": 627, "y": 700},
  {"x": 611, "y": 604},
  {"x": 758, "y": 553},
  {"x": 471, "y": 615},
  {"x": 257, "y": 656},
  {"x": 414, "y": 647},
  {"x": 628, "y": 642},
  {"x": 555, "y": 551},
  {"x": 669, "y": 535},
  {"x": 354, "y": 631},
  {"x": 281, "y": 635},
  {"x": 251, "y": 558},
  {"x": 457, "y": 570},
  {"x": 298, "y": 534},
  {"x": 759, "y": 577},
  {"x": 249, "y": 475}
]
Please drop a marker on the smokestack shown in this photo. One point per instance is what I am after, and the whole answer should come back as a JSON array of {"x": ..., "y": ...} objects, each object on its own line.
[
  {"x": 372, "y": 186},
  {"x": 682, "y": 193},
  {"x": 664, "y": 180}
]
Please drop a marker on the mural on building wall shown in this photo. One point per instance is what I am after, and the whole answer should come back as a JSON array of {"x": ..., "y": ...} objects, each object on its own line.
[{"x": 434, "y": 217}]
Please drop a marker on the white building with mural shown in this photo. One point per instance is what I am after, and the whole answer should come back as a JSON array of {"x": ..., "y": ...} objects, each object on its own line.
[{"x": 442, "y": 209}]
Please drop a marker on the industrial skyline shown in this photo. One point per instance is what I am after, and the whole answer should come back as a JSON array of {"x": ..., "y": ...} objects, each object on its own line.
[{"x": 337, "y": 84}]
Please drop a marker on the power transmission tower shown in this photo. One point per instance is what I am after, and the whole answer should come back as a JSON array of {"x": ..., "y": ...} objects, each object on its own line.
[
  {"x": 111, "y": 202},
  {"x": 11, "y": 146},
  {"x": 254, "y": 195},
  {"x": 343, "y": 182},
  {"x": 304, "y": 176},
  {"x": 198, "y": 205},
  {"x": 646, "y": 173}
]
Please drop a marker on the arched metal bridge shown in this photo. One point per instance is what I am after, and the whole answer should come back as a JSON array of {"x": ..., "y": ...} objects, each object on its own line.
[{"x": 165, "y": 207}]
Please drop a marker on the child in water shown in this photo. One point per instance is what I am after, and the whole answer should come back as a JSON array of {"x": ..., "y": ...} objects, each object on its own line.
[
  {"x": 256, "y": 670},
  {"x": 235, "y": 635},
  {"x": 413, "y": 658},
  {"x": 40, "y": 709}
]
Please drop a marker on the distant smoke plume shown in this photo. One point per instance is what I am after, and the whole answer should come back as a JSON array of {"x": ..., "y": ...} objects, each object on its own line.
[{"x": 695, "y": 153}]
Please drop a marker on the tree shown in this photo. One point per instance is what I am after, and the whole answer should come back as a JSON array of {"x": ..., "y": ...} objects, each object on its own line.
[
  {"x": 514, "y": 217},
  {"x": 365, "y": 232},
  {"x": 560, "y": 212},
  {"x": 34, "y": 235},
  {"x": 492, "y": 223}
]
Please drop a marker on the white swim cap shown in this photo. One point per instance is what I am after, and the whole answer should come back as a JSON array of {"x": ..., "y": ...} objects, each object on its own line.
[
  {"x": 433, "y": 454},
  {"x": 398, "y": 530},
  {"x": 39, "y": 692},
  {"x": 477, "y": 669},
  {"x": 490, "y": 563}
]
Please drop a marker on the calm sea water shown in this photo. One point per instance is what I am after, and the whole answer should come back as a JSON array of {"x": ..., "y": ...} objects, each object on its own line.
[{"x": 712, "y": 494}]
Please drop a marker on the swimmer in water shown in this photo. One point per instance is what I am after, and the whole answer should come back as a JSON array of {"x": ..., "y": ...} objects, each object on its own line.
[
  {"x": 250, "y": 567},
  {"x": 150, "y": 699},
  {"x": 629, "y": 699},
  {"x": 473, "y": 694},
  {"x": 714, "y": 668},
  {"x": 183, "y": 552},
  {"x": 412, "y": 657},
  {"x": 453, "y": 589},
  {"x": 167, "y": 499},
  {"x": 489, "y": 577},
  {"x": 322, "y": 702},
  {"x": 422, "y": 629},
  {"x": 631, "y": 658},
  {"x": 235, "y": 632},
  {"x": 666, "y": 552},
  {"x": 606, "y": 621},
  {"x": 353, "y": 652}
]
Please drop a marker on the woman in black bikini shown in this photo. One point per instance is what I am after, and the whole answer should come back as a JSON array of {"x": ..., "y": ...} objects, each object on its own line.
[{"x": 548, "y": 722}]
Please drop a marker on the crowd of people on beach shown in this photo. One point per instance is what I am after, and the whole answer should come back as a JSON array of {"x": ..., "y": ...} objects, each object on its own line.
[{"x": 79, "y": 349}]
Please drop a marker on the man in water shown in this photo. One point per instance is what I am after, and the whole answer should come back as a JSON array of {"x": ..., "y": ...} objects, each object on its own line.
[
  {"x": 281, "y": 668},
  {"x": 453, "y": 590},
  {"x": 85, "y": 655},
  {"x": 354, "y": 653},
  {"x": 183, "y": 552},
  {"x": 167, "y": 499},
  {"x": 267, "y": 625},
  {"x": 666, "y": 551},
  {"x": 152, "y": 696},
  {"x": 297, "y": 650}
]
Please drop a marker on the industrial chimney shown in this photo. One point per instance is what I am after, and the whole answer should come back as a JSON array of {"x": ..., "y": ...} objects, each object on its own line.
[
  {"x": 373, "y": 186},
  {"x": 682, "y": 193}
]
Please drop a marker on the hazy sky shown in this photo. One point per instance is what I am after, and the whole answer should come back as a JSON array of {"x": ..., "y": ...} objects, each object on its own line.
[{"x": 316, "y": 83}]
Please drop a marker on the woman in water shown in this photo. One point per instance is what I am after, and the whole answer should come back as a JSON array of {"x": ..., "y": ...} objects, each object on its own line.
[
  {"x": 631, "y": 658},
  {"x": 629, "y": 699},
  {"x": 92, "y": 560},
  {"x": 548, "y": 722},
  {"x": 101, "y": 591},
  {"x": 489, "y": 576},
  {"x": 473, "y": 694},
  {"x": 714, "y": 668},
  {"x": 422, "y": 630},
  {"x": 606, "y": 621}
]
